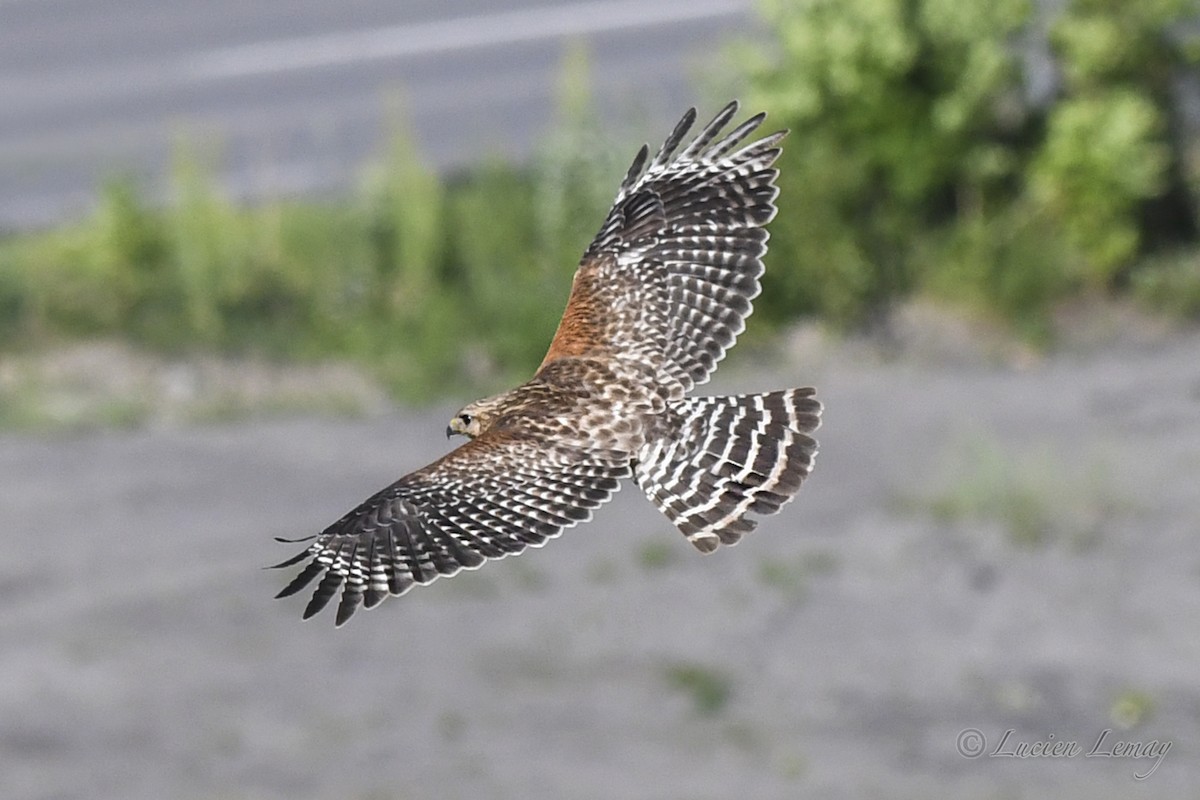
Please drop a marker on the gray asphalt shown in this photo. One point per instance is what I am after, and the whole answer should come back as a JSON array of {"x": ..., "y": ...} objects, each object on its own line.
[
  {"x": 857, "y": 633},
  {"x": 296, "y": 93}
]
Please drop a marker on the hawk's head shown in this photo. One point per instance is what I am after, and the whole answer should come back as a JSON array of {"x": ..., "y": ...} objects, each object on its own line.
[{"x": 475, "y": 418}]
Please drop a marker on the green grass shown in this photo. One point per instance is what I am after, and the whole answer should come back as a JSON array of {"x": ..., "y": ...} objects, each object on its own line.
[
  {"x": 38, "y": 403},
  {"x": 657, "y": 553},
  {"x": 368, "y": 281},
  {"x": 709, "y": 689},
  {"x": 1039, "y": 499},
  {"x": 1130, "y": 708},
  {"x": 1170, "y": 283},
  {"x": 792, "y": 576}
]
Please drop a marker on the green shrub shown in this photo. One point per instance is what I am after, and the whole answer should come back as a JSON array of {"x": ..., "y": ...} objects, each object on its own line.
[
  {"x": 431, "y": 283},
  {"x": 1100, "y": 159},
  {"x": 499, "y": 271},
  {"x": 710, "y": 689},
  {"x": 1010, "y": 264},
  {"x": 1171, "y": 283},
  {"x": 899, "y": 110},
  {"x": 918, "y": 159}
]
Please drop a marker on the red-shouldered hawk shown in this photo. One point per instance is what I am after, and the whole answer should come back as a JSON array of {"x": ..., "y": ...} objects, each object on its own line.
[{"x": 658, "y": 298}]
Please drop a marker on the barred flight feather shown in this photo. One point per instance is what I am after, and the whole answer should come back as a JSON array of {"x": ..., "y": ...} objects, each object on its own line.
[
  {"x": 730, "y": 456},
  {"x": 695, "y": 218},
  {"x": 505, "y": 496}
]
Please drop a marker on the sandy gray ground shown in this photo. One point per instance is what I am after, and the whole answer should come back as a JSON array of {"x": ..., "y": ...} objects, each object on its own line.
[{"x": 838, "y": 652}]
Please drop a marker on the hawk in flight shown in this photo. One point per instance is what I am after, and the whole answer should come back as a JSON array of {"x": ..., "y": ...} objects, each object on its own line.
[{"x": 659, "y": 296}]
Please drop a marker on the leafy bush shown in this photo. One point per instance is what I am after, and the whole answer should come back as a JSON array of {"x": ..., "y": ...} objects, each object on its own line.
[
  {"x": 431, "y": 283},
  {"x": 1016, "y": 276},
  {"x": 1099, "y": 160},
  {"x": 921, "y": 159},
  {"x": 1171, "y": 283},
  {"x": 900, "y": 112}
]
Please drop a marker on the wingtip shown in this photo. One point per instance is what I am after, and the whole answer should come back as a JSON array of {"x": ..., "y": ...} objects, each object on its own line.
[
  {"x": 635, "y": 169},
  {"x": 756, "y": 120},
  {"x": 316, "y": 604},
  {"x": 287, "y": 562},
  {"x": 667, "y": 151}
]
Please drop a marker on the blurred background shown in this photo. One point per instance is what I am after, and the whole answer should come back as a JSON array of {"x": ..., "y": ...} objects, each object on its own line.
[{"x": 253, "y": 256}]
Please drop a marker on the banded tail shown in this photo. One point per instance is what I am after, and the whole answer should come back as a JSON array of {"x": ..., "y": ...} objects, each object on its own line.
[{"x": 730, "y": 457}]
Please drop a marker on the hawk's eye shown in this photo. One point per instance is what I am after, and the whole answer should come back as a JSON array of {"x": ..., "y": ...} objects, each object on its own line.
[{"x": 466, "y": 418}]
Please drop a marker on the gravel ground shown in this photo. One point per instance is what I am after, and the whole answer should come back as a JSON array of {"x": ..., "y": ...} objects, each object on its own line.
[{"x": 981, "y": 547}]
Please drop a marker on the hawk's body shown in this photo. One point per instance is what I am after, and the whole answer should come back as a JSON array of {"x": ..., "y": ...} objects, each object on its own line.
[{"x": 658, "y": 298}]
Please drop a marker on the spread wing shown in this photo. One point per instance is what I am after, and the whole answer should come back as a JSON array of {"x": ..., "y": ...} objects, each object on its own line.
[
  {"x": 670, "y": 278},
  {"x": 490, "y": 498}
]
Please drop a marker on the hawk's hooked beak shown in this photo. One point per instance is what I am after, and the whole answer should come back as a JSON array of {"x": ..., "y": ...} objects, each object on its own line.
[{"x": 449, "y": 431}]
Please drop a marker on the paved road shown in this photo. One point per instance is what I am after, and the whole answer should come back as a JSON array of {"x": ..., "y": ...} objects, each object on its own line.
[
  {"x": 297, "y": 91},
  {"x": 857, "y": 634}
]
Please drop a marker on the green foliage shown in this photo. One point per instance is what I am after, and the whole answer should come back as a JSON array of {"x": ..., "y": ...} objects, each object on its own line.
[
  {"x": 1131, "y": 708},
  {"x": 517, "y": 234},
  {"x": 1016, "y": 277},
  {"x": 1039, "y": 500},
  {"x": 1113, "y": 164},
  {"x": 499, "y": 269},
  {"x": 898, "y": 111},
  {"x": 1100, "y": 159},
  {"x": 1171, "y": 283},
  {"x": 710, "y": 690},
  {"x": 577, "y": 174},
  {"x": 1102, "y": 42},
  {"x": 918, "y": 160},
  {"x": 657, "y": 553},
  {"x": 792, "y": 576},
  {"x": 406, "y": 217},
  {"x": 89, "y": 278},
  {"x": 433, "y": 284}
]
